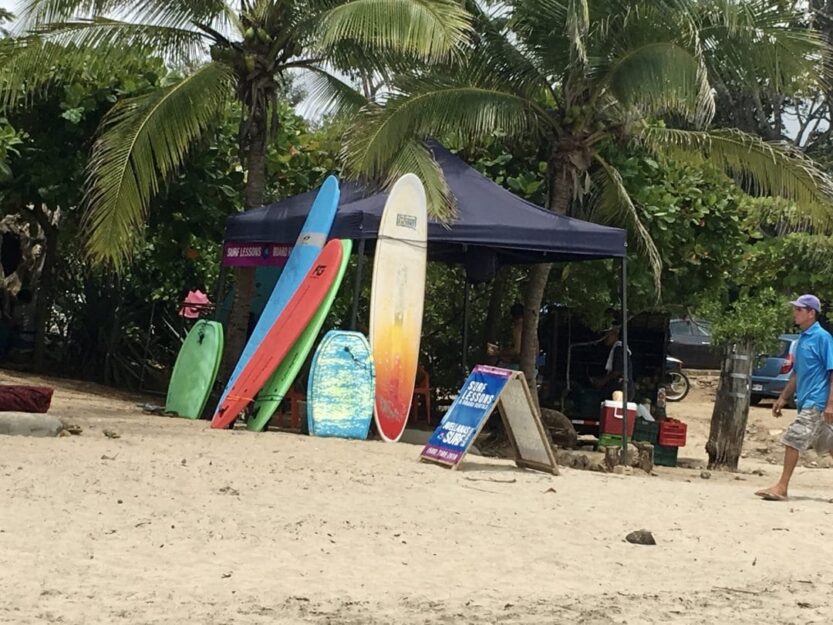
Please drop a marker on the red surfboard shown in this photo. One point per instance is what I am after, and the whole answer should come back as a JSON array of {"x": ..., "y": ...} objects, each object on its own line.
[{"x": 282, "y": 335}]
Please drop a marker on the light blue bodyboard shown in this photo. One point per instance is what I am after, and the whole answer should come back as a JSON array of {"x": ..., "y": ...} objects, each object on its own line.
[
  {"x": 342, "y": 386},
  {"x": 310, "y": 241}
]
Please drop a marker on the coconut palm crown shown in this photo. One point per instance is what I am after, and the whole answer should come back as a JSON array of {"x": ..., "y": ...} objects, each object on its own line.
[
  {"x": 248, "y": 50},
  {"x": 576, "y": 76}
]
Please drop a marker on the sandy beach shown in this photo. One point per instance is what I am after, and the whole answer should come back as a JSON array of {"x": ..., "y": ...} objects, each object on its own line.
[{"x": 163, "y": 520}]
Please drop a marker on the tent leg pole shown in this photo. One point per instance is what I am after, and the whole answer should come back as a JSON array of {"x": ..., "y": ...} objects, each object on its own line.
[
  {"x": 464, "y": 359},
  {"x": 625, "y": 372},
  {"x": 357, "y": 286}
]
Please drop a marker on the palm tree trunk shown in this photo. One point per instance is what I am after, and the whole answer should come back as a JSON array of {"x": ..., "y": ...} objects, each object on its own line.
[
  {"x": 533, "y": 297},
  {"x": 731, "y": 408},
  {"x": 256, "y": 161},
  {"x": 559, "y": 202},
  {"x": 238, "y": 322}
]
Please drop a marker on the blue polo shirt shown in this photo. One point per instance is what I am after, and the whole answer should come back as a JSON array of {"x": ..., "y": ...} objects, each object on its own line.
[{"x": 813, "y": 364}]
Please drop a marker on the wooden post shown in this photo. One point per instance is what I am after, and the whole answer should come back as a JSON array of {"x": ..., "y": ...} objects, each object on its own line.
[{"x": 731, "y": 408}]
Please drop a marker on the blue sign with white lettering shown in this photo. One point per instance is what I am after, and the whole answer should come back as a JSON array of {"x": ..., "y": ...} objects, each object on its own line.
[{"x": 476, "y": 401}]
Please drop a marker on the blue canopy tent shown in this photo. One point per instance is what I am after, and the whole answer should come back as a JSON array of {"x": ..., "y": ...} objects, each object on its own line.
[
  {"x": 491, "y": 227},
  {"x": 488, "y": 217}
]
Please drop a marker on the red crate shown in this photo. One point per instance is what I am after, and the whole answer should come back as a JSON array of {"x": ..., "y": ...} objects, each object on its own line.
[
  {"x": 611, "y": 422},
  {"x": 672, "y": 433}
]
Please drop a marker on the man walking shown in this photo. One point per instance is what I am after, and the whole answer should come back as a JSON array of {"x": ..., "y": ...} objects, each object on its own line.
[{"x": 810, "y": 382}]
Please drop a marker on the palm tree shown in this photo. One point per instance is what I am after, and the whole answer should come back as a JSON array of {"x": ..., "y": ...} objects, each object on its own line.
[
  {"x": 249, "y": 50},
  {"x": 577, "y": 76}
]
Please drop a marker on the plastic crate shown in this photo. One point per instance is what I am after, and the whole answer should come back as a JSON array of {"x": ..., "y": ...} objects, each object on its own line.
[
  {"x": 672, "y": 433},
  {"x": 646, "y": 431},
  {"x": 609, "y": 440},
  {"x": 665, "y": 456}
]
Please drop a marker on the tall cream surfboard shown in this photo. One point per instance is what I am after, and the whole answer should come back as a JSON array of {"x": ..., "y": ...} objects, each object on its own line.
[{"x": 396, "y": 303}]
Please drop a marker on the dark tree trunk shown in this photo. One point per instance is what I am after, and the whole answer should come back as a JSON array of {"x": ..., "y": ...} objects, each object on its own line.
[
  {"x": 491, "y": 327},
  {"x": 238, "y": 322},
  {"x": 110, "y": 374},
  {"x": 237, "y": 326},
  {"x": 43, "y": 312},
  {"x": 731, "y": 408},
  {"x": 559, "y": 202}
]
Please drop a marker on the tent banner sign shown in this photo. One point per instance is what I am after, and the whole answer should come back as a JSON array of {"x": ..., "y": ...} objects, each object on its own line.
[
  {"x": 463, "y": 421},
  {"x": 255, "y": 254}
]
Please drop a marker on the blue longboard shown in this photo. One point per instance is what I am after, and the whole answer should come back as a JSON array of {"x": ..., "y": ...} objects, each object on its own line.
[
  {"x": 313, "y": 236},
  {"x": 341, "y": 387}
]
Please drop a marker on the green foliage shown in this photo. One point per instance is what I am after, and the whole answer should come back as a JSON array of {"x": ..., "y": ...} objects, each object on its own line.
[
  {"x": 792, "y": 264},
  {"x": 9, "y": 140},
  {"x": 757, "y": 316},
  {"x": 780, "y": 261},
  {"x": 694, "y": 213},
  {"x": 515, "y": 167},
  {"x": 101, "y": 322},
  {"x": 54, "y": 137},
  {"x": 255, "y": 48},
  {"x": 299, "y": 156},
  {"x": 144, "y": 141},
  {"x": 572, "y": 79}
]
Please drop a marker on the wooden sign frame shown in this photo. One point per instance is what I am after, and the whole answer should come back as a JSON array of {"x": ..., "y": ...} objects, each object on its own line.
[{"x": 551, "y": 466}]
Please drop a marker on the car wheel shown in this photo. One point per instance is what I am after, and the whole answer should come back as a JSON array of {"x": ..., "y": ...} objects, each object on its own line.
[{"x": 754, "y": 400}]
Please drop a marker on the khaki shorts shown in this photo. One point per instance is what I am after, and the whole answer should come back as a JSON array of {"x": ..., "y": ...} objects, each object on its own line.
[{"x": 808, "y": 430}]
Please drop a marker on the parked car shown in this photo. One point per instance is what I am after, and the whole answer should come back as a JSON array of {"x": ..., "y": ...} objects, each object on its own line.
[
  {"x": 772, "y": 373},
  {"x": 690, "y": 340}
]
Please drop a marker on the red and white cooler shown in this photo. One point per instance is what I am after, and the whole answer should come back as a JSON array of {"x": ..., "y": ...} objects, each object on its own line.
[{"x": 611, "y": 418}]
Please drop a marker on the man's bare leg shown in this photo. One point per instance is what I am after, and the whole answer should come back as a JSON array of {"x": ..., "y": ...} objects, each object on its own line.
[{"x": 790, "y": 461}]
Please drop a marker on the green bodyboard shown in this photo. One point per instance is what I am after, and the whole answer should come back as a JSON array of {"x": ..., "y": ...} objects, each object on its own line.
[
  {"x": 275, "y": 389},
  {"x": 195, "y": 370}
]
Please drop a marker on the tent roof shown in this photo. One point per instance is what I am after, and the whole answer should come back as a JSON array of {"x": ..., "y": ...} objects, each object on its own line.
[{"x": 488, "y": 218}]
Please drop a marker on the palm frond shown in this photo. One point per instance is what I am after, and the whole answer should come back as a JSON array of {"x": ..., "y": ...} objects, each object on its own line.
[
  {"x": 612, "y": 204},
  {"x": 143, "y": 141},
  {"x": 180, "y": 45},
  {"x": 578, "y": 23},
  {"x": 327, "y": 93},
  {"x": 415, "y": 158},
  {"x": 426, "y": 29},
  {"x": 171, "y": 13},
  {"x": 759, "y": 44},
  {"x": 760, "y": 167},
  {"x": 540, "y": 29},
  {"x": 273, "y": 15},
  {"x": 36, "y": 13},
  {"x": 469, "y": 113},
  {"x": 30, "y": 65},
  {"x": 658, "y": 78},
  {"x": 495, "y": 53}
]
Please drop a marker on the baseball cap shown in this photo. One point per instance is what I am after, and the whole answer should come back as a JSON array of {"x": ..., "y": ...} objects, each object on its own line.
[{"x": 808, "y": 301}]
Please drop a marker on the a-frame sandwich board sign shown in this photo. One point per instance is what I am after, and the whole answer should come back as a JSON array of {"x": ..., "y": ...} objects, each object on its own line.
[{"x": 485, "y": 389}]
